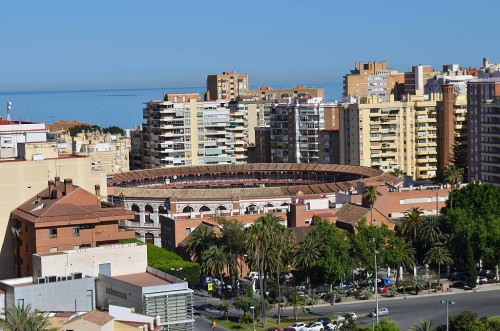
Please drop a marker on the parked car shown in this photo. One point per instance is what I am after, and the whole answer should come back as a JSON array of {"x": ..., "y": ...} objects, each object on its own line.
[
  {"x": 381, "y": 312},
  {"x": 323, "y": 320},
  {"x": 481, "y": 280},
  {"x": 315, "y": 326},
  {"x": 297, "y": 326},
  {"x": 331, "y": 327},
  {"x": 343, "y": 317},
  {"x": 384, "y": 288},
  {"x": 344, "y": 286}
]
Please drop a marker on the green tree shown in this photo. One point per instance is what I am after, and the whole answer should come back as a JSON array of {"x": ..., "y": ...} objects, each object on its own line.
[
  {"x": 295, "y": 300},
  {"x": 470, "y": 266},
  {"x": 439, "y": 255},
  {"x": 453, "y": 176},
  {"x": 370, "y": 196},
  {"x": 462, "y": 321},
  {"x": 385, "y": 325},
  {"x": 215, "y": 260},
  {"x": 307, "y": 253},
  {"x": 200, "y": 240},
  {"x": 411, "y": 223},
  {"x": 398, "y": 173},
  {"x": 403, "y": 255},
  {"x": 424, "y": 326},
  {"x": 418, "y": 284},
  {"x": 429, "y": 230},
  {"x": 113, "y": 130},
  {"x": 23, "y": 318},
  {"x": 233, "y": 241},
  {"x": 224, "y": 308},
  {"x": 74, "y": 131}
]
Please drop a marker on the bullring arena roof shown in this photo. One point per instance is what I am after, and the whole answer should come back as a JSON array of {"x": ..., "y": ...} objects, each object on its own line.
[{"x": 244, "y": 180}]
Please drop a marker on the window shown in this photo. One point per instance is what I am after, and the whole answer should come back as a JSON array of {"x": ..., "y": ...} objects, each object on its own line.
[
  {"x": 53, "y": 233},
  {"x": 76, "y": 232},
  {"x": 53, "y": 249}
]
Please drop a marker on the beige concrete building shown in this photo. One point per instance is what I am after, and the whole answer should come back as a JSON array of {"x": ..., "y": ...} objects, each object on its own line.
[
  {"x": 391, "y": 134},
  {"x": 371, "y": 79},
  {"x": 189, "y": 133},
  {"x": 22, "y": 179},
  {"x": 226, "y": 86},
  {"x": 108, "y": 153}
]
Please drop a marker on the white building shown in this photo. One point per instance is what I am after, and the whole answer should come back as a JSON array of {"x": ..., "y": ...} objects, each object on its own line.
[{"x": 15, "y": 132}]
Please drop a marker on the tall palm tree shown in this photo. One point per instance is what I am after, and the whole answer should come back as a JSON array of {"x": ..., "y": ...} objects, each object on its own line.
[
  {"x": 200, "y": 240},
  {"x": 23, "y": 318},
  {"x": 370, "y": 196},
  {"x": 439, "y": 255},
  {"x": 398, "y": 173},
  {"x": 429, "y": 232},
  {"x": 411, "y": 223},
  {"x": 306, "y": 255},
  {"x": 295, "y": 300},
  {"x": 453, "y": 176},
  {"x": 424, "y": 326},
  {"x": 215, "y": 260},
  {"x": 404, "y": 255}
]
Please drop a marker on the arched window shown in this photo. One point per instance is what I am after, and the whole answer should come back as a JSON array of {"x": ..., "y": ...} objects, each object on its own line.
[
  {"x": 138, "y": 236},
  {"x": 221, "y": 208},
  {"x": 137, "y": 211},
  {"x": 252, "y": 209},
  {"x": 188, "y": 209},
  {"x": 204, "y": 209},
  {"x": 147, "y": 215},
  {"x": 269, "y": 205}
]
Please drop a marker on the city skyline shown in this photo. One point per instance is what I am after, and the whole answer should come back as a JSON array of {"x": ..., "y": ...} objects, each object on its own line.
[{"x": 60, "y": 46}]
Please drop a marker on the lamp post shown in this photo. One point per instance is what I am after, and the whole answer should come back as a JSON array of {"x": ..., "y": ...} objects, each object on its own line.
[
  {"x": 447, "y": 305},
  {"x": 376, "y": 283},
  {"x": 253, "y": 316}
]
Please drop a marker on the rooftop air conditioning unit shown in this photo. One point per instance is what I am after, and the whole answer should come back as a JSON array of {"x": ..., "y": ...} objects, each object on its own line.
[
  {"x": 77, "y": 275},
  {"x": 40, "y": 280}
]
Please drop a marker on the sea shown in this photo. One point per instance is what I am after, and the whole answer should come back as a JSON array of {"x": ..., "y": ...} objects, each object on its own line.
[{"x": 120, "y": 107}]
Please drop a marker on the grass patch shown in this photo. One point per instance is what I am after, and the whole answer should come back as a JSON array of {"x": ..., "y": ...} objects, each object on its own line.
[{"x": 496, "y": 318}]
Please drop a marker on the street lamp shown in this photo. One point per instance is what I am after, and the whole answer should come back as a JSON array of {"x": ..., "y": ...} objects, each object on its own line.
[
  {"x": 253, "y": 316},
  {"x": 447, "y": 304},
  {"x": 376, "y": 283}
]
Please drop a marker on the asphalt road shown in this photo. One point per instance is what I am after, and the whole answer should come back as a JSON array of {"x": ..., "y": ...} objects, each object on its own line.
[{"x": 405, "y": 311}]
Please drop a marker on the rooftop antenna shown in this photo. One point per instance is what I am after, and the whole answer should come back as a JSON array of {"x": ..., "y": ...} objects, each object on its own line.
[{"x": 9, "y": 105}]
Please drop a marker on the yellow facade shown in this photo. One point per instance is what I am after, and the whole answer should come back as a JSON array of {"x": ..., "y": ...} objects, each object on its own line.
[{"x": 391, "y": 135}]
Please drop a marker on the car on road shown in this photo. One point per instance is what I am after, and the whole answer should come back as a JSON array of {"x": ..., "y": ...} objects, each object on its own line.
[
  {"x": 381, "y": 312},
  {"x": 342, "y": 318},
  {"x": 323, "y": 320},
  {"x": 314, "y": 326},
  {"x": 298, "y": 326}
]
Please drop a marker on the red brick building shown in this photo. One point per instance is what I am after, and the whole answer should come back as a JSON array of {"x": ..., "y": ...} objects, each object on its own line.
[{"x": 64, "y": 217}]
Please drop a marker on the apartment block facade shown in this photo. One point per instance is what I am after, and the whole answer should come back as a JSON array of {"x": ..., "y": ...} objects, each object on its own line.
[
  {"x": 329, "y": 144},
  {"x": 483, "y": 117},
  {"x": 391, "y": 135},
  {"x": 190, "y": 132},
  {"x": 295, "y": 130},
  {"x": 371, "y": 79},
  {"x": 226, "y": 86}
]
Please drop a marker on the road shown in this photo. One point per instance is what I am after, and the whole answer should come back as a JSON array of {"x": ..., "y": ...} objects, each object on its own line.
[{"x": 405, "y": 311}]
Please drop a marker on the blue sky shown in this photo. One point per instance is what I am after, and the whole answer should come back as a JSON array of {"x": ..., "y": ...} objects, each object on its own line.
[{"x": 90, "y": 44}]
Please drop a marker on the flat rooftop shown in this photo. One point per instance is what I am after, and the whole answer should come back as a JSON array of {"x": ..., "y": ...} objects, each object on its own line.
[{"x": 142, "y": 279}]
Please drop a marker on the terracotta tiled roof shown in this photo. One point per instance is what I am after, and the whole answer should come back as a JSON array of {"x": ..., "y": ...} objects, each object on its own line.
[
  {"x": 79, "y": 204},
  {"x": 351, "y": 213},
  {"x": 95, "y": 317}
]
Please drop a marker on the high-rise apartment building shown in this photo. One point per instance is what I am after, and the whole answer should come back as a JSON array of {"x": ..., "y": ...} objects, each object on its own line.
[
  {"x": 483, "y": 117},
  {"x": 295, "y": 130},
  {"x": 188, "y": 132},
  {"x": 391, "y": 135},
  {"x": 226, "y": 86},
  {"x": 329, "y": 144},
  {"x": 371, "y": 79},
  {"x": 417, "y": 78},
  {"x": 263, "y": 145}
]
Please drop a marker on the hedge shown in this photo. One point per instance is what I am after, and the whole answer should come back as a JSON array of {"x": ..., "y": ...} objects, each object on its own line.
[{"x": 171, "y": 263}]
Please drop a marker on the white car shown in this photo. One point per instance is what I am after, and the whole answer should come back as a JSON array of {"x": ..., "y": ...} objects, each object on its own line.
[
  {"x": 298, "y": 326},
  {"x": 331, "y": 327},
  {"x": 381, "y": 312},
  {"x": 342, "y": 317},
  {"x": 314, "y": 326}
]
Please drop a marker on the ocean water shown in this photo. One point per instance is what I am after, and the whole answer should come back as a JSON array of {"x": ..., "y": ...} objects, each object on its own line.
[{"x": 122, "y": 107}]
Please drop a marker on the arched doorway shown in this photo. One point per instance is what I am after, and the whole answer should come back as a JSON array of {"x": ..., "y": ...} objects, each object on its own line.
[
  {"x": 137, "y": 211},
  {"x": 148, "y": 210},
  {"x": 149, "y": 238}
]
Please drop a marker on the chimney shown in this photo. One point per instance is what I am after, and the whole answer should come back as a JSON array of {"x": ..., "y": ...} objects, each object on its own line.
[
  {"x": 68, "y": 186},
  {"x": 58, "y": 179},
  {"x": 98, "y": 190},
  {"x": 51, "y": 188}
]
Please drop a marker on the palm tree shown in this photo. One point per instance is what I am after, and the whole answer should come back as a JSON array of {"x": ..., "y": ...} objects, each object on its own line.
[
  {"x": 370, "y": 196},
  {"x": 23, "y": 318},
  {"x": 438, "y": 254},
  {"x": 453, "y": 176},
  {"x": 429, "y": 230},
  {"x": 215, "y": 260},
  {"x": 306, "y": 255},
  {"x": 411, "y": 223},
  {"x": 200, "y": 240},
  {"x": 424, "y": 326},
  {"x": 295, "y": 300},
  {"x": 398, "y": 173},
  {"x": 404, "y": 256}
]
